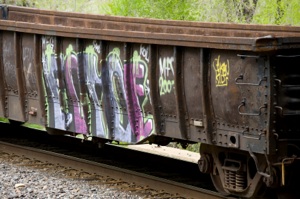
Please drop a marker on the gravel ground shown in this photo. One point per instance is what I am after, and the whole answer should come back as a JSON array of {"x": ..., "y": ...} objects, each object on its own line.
[{"x": 24, "y": 182}]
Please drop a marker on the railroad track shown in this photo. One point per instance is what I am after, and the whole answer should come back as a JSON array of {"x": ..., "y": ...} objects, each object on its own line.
[{"x": 140, "y": 182}]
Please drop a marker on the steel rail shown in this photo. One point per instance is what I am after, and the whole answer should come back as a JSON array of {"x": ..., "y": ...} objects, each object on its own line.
[{"x": 111, "y": 171}]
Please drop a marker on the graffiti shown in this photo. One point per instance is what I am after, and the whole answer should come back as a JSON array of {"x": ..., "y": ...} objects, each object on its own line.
[
  {"x": 29, "y": 73},
  {"x": 96, "y": 46},
  {"x": 8, "y": 46},
  {"x": 123, "y": 89},
  {"x": 56, "y": 118},
  {"x": 222, "y": 72},
  {"x": 27, "y": 54},
  {"x": 136, "y": 78},
  {"x": 72, "y": 81},
  {"x": 10, "y": 74},
  {"x": 144, "y": 52},
  {"x": 94, "y": 87},
  {"x": 115, "y": 95},
  {"x": 166, "y": 70}
]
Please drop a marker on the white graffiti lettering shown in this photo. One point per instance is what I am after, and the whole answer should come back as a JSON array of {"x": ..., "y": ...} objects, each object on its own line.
[
  {"x": 27, "y": 54},
  {"x": 166, "y": 70},
  {"x": 96, "y": 46},
  {"x": 144, "y": 52}
]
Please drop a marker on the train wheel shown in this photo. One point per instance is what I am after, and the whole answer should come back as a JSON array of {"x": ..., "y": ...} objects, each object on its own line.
[
  {"x": 218, "y": 184},
  {"x": 207, "y": 165},
  {"x": 231, "y": 171}
]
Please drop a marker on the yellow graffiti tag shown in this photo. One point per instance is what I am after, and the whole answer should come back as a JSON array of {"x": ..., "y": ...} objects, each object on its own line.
[{"x": 222, "y": 72}]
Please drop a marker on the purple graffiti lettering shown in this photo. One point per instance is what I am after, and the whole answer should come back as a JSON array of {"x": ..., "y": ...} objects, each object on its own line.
[
  {"x": 71, "y": 75},
  {"x": 134, "y": 91}
]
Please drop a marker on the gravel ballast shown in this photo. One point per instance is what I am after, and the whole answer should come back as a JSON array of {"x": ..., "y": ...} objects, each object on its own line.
[{"x": 25, "y": 182}]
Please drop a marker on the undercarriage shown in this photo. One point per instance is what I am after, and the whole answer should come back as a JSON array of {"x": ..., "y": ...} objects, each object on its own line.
[{"x": 250, "y": 175}]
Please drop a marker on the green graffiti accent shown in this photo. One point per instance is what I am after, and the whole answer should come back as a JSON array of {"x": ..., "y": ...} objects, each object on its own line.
[
  {"x": 49, "y": 52},
  {"x": 166, "y": 86},
  {"x": 115, "y": 54},
  {"x": 46, "y": 100},
  {"x": 91, "y": 51},
  {"x": 69, "y": 51},
  {"x": 65, "y": 105},
  {"x": 115, "y": 91}
]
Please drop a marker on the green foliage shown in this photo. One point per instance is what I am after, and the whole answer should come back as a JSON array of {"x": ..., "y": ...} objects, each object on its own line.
[
  {"x": 17, "y": 2},
  {"x": 4, "y": 120},
  {"x": 283, "y": 12},
  {"x": 161, "y": 9},
  {"x": 195, "y": 10},
  {"x": 34, "y": 126},
  {"x": 83, "y": 6},
  {"x": 191, "y": 147}
]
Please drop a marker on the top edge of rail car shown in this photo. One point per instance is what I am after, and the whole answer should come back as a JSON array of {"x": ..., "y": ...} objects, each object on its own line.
[
  {"x": 152, "y": 31},
  {"x": 221, "y": 25}
]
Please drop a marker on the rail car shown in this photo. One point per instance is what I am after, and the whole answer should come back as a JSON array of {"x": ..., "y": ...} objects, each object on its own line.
[{"x": 232, "y": 87}]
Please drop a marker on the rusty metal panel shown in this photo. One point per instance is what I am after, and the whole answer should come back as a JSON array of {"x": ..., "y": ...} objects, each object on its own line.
[
  {"x": 31, "y": 71},
  {"x": 192, "y": 80},
  {"x": 154, "y": 96},
  {"x": 240, "y": 96},
  {"x": 13, "y": 80},
  {"x": 166, "y": 73},
  {"x": 2, "y": 86},
  {"x": 2, "y": 95},
  {"x": 166, "y": 68},
  {"x": 192, "y": 91}
]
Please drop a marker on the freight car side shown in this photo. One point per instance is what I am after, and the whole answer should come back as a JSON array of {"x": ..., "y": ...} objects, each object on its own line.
[{"x": 136, "y": 80}]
